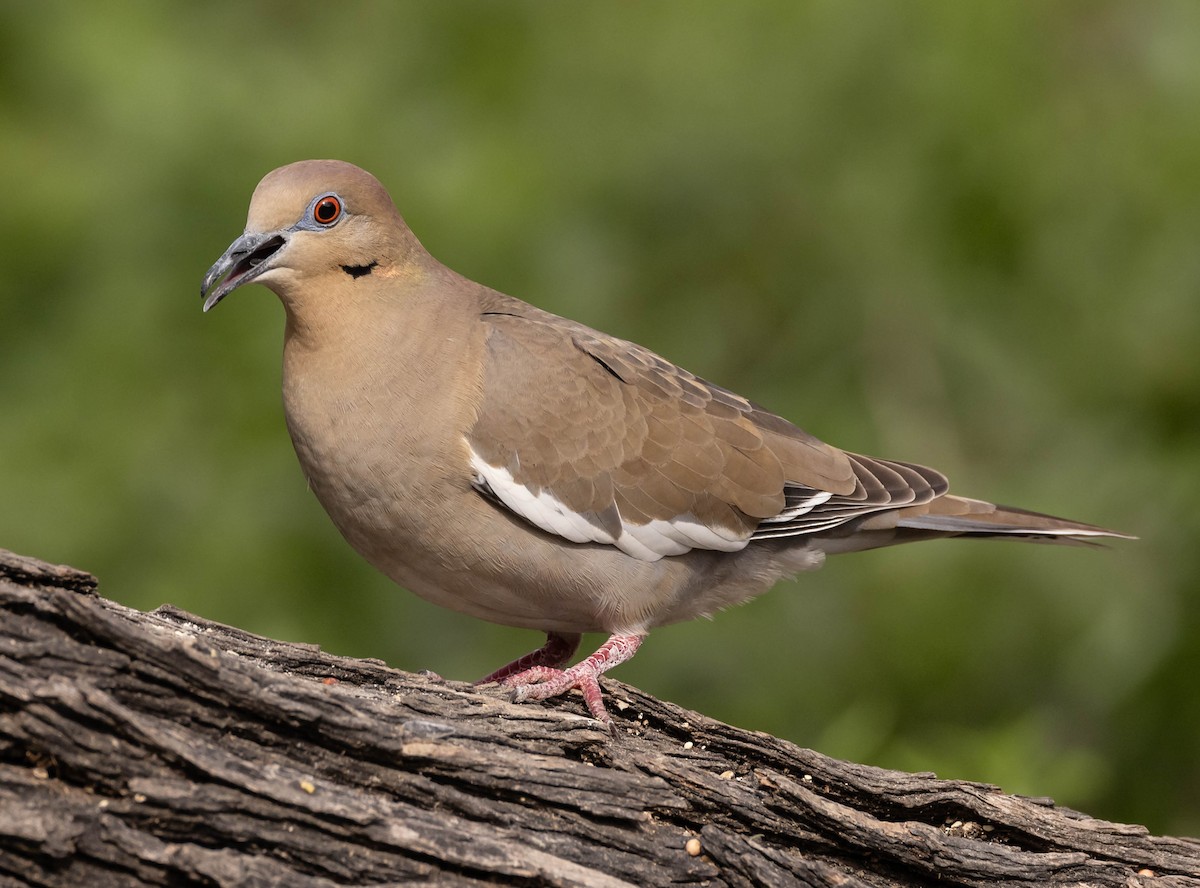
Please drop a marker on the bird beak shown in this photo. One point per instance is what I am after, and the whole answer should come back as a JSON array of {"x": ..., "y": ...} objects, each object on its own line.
[{"x": 247, "y": 257}]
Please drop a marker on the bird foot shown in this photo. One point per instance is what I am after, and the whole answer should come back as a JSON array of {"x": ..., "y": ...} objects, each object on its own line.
[
  {"x": 557, "y": 650},
  {"x": 544, "y": 682}
]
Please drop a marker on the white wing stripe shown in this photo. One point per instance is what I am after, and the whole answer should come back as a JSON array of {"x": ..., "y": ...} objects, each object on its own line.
[
  {"x": 541, "y": 509},
  {"x": 800, "y": 508},
  {"x": 686, "y": 531},
  {"x": 647, "y": 542}
]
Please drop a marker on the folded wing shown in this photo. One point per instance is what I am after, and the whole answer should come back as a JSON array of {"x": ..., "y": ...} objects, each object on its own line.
[{"x": 599, "y": 440}]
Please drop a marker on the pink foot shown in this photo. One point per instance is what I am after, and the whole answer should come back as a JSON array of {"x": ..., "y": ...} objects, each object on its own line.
[
  {"x": 557, "y": 650},
  {"x": 543, "y": 682}
]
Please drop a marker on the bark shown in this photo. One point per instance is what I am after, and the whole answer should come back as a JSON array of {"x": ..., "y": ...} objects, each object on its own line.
[{"x": 163, "y": 749}]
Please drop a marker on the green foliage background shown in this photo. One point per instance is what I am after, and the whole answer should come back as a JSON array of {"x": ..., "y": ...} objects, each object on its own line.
[{"x": 964, "y": 234}]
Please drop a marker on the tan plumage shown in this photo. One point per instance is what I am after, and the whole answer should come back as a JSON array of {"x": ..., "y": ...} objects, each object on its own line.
[{"x": 514, "y": 465}]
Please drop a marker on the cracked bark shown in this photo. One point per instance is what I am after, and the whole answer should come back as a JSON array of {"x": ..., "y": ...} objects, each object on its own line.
[{"x": 163, "y": 749}]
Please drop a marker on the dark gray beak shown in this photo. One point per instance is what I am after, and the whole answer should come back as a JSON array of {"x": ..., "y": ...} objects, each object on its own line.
[{"x": 247, "y": 257}]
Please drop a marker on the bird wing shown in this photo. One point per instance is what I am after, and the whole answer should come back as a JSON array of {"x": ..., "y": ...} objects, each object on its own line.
[{"x": 599, "y": 440}]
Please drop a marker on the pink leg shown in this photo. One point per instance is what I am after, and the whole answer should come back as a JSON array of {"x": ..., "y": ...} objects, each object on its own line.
[
  {"x": 543, "y": 682},
  {"x": 557, "y": 650}
]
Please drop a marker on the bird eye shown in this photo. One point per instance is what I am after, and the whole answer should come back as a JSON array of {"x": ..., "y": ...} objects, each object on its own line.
[{"x": 327, "y": 210}]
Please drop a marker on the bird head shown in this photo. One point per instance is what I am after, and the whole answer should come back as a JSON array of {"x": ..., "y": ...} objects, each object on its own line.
[{"x": 308, "y": 219}]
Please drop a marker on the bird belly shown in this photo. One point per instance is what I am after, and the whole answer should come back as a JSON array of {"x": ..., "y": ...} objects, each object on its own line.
[{"x": 428, "y": 530}]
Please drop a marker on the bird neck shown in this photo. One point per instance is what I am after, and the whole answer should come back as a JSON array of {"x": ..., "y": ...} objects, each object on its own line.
[
  {"x": 399, "y": 318},
  {"x": 397, "y": 373}
]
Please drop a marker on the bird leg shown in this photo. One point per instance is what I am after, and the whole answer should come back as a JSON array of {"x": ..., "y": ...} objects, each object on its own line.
[
  {"x": 557, "y": 650},
  {"x": 543, "y": 682}
]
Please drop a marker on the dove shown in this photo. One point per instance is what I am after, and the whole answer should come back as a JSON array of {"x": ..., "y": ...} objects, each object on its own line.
[{"x": 522, "y": 468}]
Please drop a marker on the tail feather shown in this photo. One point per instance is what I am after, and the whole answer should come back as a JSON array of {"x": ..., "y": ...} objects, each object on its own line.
[{"x": 959, "y": 516}]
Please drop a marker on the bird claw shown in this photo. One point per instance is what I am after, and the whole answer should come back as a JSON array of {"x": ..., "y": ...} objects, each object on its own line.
[{"x": 542, "y": 683}]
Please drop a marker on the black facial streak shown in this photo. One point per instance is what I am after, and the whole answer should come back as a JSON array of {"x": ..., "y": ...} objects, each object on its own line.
[{"x": 357, "y": 271}]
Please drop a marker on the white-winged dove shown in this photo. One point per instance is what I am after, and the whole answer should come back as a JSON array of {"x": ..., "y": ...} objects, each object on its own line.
[{"x": 511, "y": 464}]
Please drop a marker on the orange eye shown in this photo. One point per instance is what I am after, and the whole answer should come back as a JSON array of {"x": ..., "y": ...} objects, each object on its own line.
[{"x": 328, "y": 210}]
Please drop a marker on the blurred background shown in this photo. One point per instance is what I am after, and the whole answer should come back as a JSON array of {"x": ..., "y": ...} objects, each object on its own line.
[{"x": 966, "y": 235}]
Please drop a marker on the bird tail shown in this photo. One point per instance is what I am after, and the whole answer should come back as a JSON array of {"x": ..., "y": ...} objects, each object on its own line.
[{"x": 950, "y": 515}]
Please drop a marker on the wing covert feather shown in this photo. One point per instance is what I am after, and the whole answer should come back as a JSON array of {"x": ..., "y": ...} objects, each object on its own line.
[{"x": 631, "y": 444}]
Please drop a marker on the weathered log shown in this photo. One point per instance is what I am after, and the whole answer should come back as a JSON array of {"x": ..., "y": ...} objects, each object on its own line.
[{"x": 163, "y": 749}]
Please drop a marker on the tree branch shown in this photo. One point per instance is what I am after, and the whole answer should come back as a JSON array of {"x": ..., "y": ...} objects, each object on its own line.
[{"x": 164, "y": 749}]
